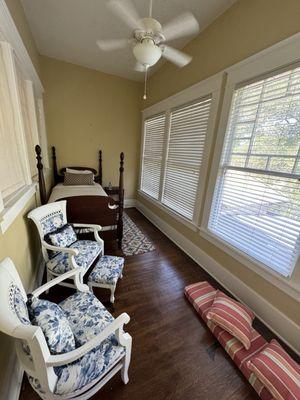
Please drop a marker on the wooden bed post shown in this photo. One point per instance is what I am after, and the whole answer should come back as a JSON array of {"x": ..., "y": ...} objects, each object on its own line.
[
  {"x": 55, "y": 171},
  {"x": 100, "y": 167},
  {"x": 40, "y": 167},
  {"x": 121, "y": 201}
]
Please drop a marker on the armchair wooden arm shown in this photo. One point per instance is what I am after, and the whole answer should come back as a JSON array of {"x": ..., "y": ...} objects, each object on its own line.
[
  {"x": 69, "y": 250},
  {"x": 95, "y": 228},
  {"x": 116, "y": 325},
  {"x": 74, "y": 273}
]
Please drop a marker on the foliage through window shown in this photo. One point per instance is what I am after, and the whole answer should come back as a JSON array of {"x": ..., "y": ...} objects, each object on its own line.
[{"x": 256, "y": 205}]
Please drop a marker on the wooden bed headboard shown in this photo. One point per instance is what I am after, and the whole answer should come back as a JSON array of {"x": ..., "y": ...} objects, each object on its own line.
[{"x": 59, "y": 176}]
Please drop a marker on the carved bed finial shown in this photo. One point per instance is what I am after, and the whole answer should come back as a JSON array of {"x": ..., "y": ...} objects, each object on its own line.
[{"x": 40, "y": 167}]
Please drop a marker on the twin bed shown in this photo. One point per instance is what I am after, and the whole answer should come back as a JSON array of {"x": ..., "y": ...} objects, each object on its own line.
[{"x": 86, "y": 203}]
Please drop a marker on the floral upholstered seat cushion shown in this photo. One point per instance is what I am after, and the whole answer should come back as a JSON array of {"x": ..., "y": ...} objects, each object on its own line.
[
  {"x": 54, "y": 324},
  {"x": 89, "y": 368},
  {"x": 88, "y": 251},
  {"x": 108, "y": 270},
  {"x": 86, "y": 315}
]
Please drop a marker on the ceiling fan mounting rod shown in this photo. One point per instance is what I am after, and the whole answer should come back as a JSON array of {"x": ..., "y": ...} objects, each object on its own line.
[{"x": 150, "y": 8}]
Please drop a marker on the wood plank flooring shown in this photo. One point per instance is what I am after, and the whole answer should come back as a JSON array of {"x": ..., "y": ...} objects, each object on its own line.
[{"x": 174, "y": 356}]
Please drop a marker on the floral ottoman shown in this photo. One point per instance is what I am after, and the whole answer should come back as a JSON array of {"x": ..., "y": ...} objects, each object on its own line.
[{"x": 106, "y": 274}]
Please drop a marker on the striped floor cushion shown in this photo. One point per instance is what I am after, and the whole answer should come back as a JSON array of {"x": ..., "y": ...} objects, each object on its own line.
[
  {"x": 278, "y": 371},
  {"x": 232, "y": 316},
  {"x": 201, "y": 296}
]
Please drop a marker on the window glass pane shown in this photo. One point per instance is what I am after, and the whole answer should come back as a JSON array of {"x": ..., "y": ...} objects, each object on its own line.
[
  {"x": 12, "y": 176},
  {"x": 154, "y": 130},
  {"x": 188, "y": 128},
  {"x": 256, "y": 205}
]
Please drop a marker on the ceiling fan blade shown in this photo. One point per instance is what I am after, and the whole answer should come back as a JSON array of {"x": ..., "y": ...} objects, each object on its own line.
[
  {"x": 183, "y": 25},
  {"x": 125, "y": 10},
  {"x": 139, "y": 67},
  {"x": 176, "y": 56},
  {"x": 112, "y": 44}
]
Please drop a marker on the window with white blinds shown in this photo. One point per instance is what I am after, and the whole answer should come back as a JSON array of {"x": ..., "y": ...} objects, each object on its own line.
[
  {"x": 256, "y": 204},
  {"x": 27, "y": 102},
  {"x": 154, "y": 132},
  {"x": 12, "y": 171},
  {"x": 187, "y": 133}
]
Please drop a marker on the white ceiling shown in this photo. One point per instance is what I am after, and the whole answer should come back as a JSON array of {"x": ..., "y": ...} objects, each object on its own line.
[{"x": 68, "y": 29}]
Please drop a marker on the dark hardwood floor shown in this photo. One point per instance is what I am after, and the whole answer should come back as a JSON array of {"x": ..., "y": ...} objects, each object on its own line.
[{"x": 174, "y": 356}]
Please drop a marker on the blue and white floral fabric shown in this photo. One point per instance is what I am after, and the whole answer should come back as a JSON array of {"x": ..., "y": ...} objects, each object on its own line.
[
  {"x": 88, "y": 251},
  {"x": 52, "y": 222},
  {"x": 86, "y": 316},
  {"x": 62, "y": 237},
  {"x": 108, "y": 270},
  {"x": 89, "y": 368},
  {"x": 19, "y": 306},
  {"x": 54, "y": 324}
]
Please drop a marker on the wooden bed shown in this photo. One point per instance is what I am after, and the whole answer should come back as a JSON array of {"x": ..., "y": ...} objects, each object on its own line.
[{"x": 91, "y": 209}]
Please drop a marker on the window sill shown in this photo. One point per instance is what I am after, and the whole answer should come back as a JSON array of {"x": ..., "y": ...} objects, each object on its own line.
[
  {"x": 287, "y": 285},
  {"x": 14, "y": 207},
  {"x": 190, "y": 224}
]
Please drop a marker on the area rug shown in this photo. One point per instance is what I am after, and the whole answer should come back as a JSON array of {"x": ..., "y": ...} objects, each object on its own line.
[{"x": 134, "y": 241}]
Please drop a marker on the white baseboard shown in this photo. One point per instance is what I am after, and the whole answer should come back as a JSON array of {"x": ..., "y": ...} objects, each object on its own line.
[
  {"x": 12, "y": 392},
  {"x": 128, "y": 203},
  {"x": 280, "y": 324}
]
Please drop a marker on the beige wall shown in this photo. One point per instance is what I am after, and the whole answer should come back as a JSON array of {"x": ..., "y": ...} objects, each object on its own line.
[
  {"x": 20, "y": 241},
  {"x": 87, "y": 110},
  {"x": 246, "y": 28}
]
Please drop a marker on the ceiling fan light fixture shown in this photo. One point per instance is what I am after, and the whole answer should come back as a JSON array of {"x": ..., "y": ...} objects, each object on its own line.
[{"x": 147, "y": 52}]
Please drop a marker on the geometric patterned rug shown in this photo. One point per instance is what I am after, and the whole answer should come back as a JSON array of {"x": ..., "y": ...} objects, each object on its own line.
[{"x": 134, "y": 241}]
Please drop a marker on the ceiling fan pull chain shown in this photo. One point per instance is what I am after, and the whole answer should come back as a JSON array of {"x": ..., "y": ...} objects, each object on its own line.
[{"x": 145, "y": 86}]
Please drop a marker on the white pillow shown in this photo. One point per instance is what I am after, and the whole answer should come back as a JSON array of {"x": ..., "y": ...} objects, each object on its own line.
[{"x": 75, "y": 171}]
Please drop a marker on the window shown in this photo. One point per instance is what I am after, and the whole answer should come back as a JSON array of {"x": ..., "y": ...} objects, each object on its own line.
[
  {"x": 188, "y": 127},
  {"x": 256, "y": 202},
  {"x": 12, "y": 168},
  {"x": 177, "y": 136},
  {"x": 27, "y": 103},
  {"x": 154, "y": 131}
]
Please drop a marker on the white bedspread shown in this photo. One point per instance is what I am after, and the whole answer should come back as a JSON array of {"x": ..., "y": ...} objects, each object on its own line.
[{"x": 60, "y": 191}]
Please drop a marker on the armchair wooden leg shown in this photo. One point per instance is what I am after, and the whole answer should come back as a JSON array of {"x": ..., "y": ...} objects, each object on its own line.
[
  {"x": 112, "y": 294},
  {"x": 126, "y": 361}
]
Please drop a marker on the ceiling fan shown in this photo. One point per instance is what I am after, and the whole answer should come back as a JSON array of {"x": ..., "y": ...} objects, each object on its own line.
[{"x": 149, "y": 37}]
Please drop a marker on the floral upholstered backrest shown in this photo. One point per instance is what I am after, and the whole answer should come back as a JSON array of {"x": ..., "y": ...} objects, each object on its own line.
[
  {"x": 18, "y": 304},
  {"x": 52, "y": 221}
]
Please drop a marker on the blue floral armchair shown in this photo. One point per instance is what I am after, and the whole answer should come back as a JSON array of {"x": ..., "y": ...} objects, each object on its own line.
[
  {"x": 64, "y": 251},
  {"x": 102, "y": 347}
]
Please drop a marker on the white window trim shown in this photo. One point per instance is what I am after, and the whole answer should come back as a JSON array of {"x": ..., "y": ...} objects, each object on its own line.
[
  {"x": 12, "y": 210},
  {"x": 10, "y": 34},
  {"x": 211, "y": 86},
  {"x": 278, "y": 56}
]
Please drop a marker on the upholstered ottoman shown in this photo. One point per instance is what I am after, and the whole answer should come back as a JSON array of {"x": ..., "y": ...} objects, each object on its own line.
[{"x": 106, "y": 274}]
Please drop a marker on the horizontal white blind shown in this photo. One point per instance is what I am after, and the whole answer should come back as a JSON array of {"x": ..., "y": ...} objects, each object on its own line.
[
  {"x": 12, "y": 176},
  {"x": 188, "y": 128},
  {"x": 154, "y": 131},
  {"x": 27, "y": 102},
  {"x": 256, "y": 206}
]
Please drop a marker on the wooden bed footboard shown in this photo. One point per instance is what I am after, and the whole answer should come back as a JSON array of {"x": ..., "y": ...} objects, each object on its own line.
[{"x": 100, "y": 210}]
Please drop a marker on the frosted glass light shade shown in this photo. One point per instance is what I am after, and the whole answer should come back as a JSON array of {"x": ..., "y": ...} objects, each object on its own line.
[{"x": 147, "y": 53}]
